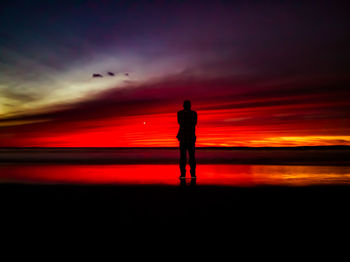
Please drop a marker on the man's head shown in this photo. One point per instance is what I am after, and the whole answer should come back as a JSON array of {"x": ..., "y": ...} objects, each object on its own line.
[{"x": 187, "y": 105}]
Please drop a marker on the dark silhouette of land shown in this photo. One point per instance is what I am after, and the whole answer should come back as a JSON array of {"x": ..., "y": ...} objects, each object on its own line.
[
  {"x": 322, "y": 155},
  {"x": 186, "y": 135}
]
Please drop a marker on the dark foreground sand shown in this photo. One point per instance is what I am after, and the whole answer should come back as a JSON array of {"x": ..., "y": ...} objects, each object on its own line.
[{"x": 245, "y": 209}]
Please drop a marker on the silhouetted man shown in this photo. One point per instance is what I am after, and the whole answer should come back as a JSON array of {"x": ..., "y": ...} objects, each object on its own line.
[{"x": 187, "y": 120}]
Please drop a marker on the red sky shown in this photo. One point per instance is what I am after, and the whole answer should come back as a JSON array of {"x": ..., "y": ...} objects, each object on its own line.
[
  {"x": 259, "y": 74},
  {"x": 245, "y": 116}
]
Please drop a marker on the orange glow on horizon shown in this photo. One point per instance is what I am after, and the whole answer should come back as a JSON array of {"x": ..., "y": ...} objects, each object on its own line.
[{"x": 223, "y": 128}]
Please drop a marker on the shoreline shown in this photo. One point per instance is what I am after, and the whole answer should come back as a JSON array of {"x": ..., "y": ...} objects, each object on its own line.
[{"x": 258, "y": 156}]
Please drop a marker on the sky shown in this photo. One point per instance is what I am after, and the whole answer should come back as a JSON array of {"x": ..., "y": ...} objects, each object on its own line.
[{"x": 259, "y": 73}]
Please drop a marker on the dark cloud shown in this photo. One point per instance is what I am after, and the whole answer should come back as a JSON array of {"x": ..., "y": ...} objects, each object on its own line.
[{"x": 97, "y": 75}]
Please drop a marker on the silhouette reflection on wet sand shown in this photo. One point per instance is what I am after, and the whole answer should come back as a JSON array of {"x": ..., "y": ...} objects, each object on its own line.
[{"x": 188, "y": 182}]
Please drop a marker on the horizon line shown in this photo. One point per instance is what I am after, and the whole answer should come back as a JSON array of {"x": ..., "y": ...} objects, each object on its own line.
[{"x": 176, "y": 147}]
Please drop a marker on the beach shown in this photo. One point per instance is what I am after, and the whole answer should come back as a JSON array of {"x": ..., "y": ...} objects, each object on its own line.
[{"x": 69, "y": 187}]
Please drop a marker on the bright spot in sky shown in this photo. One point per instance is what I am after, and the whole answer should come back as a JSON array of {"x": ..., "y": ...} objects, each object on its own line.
[{"x": 144, "y": 123}]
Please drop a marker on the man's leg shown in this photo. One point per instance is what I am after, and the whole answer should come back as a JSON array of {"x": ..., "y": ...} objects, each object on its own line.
[
  {"x": 192, "y": 159},
  {"x": 183, "y": 159}
]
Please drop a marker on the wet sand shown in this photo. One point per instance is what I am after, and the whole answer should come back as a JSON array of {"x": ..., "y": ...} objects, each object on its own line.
[{"x": 168, "y": 174}]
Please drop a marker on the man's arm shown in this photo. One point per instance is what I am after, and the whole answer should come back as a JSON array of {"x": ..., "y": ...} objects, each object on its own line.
[
  {"x": 179, "y": 117},
  {"x": 195, "y": 118}
]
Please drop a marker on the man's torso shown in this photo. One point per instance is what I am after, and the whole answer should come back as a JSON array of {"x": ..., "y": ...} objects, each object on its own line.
[{"x": 187, "y": 120}]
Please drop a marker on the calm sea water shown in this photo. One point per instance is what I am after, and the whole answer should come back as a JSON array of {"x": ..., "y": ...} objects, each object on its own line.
[{"x": 168, "y": 174}]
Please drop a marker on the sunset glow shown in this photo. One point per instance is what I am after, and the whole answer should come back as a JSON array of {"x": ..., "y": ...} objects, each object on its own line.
[{"x": 258, "y": 75}]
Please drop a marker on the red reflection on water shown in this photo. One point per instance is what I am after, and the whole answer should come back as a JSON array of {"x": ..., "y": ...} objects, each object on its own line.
[
  {"x": 123, "y": 174},
  {"x": 230, "y": 175}
]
